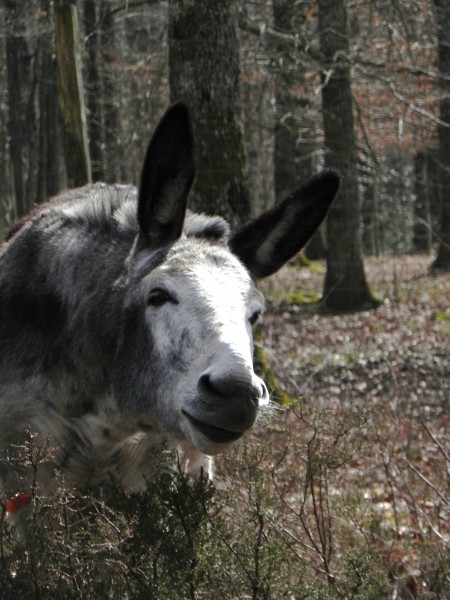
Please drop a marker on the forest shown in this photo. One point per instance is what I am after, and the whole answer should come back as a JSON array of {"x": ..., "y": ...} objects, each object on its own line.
[{"x": 344, "y": 491}]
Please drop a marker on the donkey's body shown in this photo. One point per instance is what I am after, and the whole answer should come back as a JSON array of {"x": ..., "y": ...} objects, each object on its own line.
[{"x": 125, "y": 323}]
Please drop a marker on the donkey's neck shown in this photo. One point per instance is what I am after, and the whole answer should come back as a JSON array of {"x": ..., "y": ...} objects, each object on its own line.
[
  {"x": 60, "y": 300},
  {"x": 93, "y": 297}
]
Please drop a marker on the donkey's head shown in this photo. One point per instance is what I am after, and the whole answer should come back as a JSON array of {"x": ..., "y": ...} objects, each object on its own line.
[{"x": 184, "y": 362}]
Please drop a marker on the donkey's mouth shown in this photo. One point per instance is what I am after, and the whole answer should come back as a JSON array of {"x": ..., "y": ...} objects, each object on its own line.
[{"x": 214, "y": 434}]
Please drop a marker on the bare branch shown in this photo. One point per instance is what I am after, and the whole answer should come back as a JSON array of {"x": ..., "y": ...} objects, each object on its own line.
[
  {"x": 436, "y": 441},
  {"x": 428, "y": 482},
  {"x": 413, "y": 107},
  {"x": 290, "y": 41}
]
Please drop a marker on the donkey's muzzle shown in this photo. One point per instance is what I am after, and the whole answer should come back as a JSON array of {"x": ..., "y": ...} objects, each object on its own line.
[{"x": 225, "y": 406}]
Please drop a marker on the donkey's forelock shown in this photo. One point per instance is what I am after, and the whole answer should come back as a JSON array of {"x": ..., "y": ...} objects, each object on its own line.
[
  {"x": 202, "y": 226},
  {"x": 206, "y": 232}
]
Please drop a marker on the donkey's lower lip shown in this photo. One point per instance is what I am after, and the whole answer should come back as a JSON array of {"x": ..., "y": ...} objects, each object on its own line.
[{"x": 214, "y": 434}]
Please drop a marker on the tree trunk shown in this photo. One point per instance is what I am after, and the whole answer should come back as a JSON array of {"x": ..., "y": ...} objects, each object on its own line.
[
  {"x": 442, "y": 13},
  {"x": 111, "y": 118},
  {"x": 204, "y": 73},
  {"x": 50, "y": 170},
  {"x": 345, "y": 286},
  {"x": 292, "y": 154},
  {"x": 18, "y": 61},
  {"x": 286, "y": 130},
  {"x": 93, "y": 89},
  {"x": 71, "y": 94},
  {"x": 34, "y": 119},
  {"x": 422, "y": 226}
]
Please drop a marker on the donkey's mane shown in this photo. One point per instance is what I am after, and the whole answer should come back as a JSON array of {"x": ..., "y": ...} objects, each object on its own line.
[{"x": 112, "y": 208}]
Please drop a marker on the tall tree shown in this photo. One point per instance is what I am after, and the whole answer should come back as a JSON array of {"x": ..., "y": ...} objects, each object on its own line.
[
  {"x": 294, "y": 143},
  {"x": 19, "y": 56},
  {"x": 32, "y": 103},
  {"x": 50, "y": 160},
  {"x": 442, "y": 14},
  {"x": 286, "y": 130},
  {"x": 426, "y": 200},
  {"x": 345, "y": 286},
  {"x": 293, "y": 151},
  {"x": 93, "y": 88},
  {"x": 111, "y": 118},
  {"x": 204, "y": 72},
  {"x": 71, "y": 93}
]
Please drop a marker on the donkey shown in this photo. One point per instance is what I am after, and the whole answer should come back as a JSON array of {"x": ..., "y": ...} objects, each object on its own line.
[{"x": 126, "y": 321}]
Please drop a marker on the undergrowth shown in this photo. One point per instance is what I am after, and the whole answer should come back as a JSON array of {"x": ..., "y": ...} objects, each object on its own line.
[{"x": 277, "y": 523}]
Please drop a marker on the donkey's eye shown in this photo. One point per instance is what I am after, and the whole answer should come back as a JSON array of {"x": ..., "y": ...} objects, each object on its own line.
[
  {"x": 159, "y": 296},
  {"x": 255, "y": 318}
]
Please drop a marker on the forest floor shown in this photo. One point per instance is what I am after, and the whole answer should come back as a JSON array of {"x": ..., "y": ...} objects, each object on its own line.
[
  {"x": 361, "y": 458},
  {"x": 398, "y": 353}
]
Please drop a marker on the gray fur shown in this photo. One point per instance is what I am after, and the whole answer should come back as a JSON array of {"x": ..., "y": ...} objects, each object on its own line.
[{"x": 125, "y": 324}]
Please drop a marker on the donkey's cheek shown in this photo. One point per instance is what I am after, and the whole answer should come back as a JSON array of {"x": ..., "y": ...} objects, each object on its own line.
[{"x": 176, "y": 342}]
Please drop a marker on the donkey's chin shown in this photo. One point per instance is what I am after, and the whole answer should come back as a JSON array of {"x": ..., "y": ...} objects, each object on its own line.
[{"x": 216, "y": 437}]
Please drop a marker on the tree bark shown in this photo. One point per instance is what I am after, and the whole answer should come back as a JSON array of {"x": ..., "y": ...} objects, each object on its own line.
[
  {"x": 286, "y": 130},
  {"x": 442, "y": 15},
  {"x": 93, "y": 89},
  {"x": 34, "y": 118},
  {"x": 18, "y": 61},
  {"x": 345, "y": 287},
  {"x": 293, "y": 162},
  {"x": 50, "y": 170},
  {"x": 204, "y": 73},
  {"x": 111, "y": 118},
  {"x": 422, "y": 226},
  {"x": 71, "y": 94},
  {"x": 292, "y": 154}
]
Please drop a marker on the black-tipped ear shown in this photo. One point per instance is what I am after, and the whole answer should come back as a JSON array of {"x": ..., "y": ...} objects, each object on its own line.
[
  {"x": 266, "y": 243},
  {"x": 167, "y": 177}
]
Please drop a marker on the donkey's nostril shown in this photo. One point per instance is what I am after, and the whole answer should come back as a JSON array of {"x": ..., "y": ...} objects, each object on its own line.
[
  {"x": 256, "y": 394},
  {"x": 210, "y": 388},
  {"x": 265, "y": 396}
]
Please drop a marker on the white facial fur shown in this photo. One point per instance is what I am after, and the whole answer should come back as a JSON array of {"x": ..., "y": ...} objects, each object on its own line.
[{"x": 204, "y": 327}]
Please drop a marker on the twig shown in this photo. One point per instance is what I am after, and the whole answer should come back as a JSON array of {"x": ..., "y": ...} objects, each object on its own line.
[
  {"x": 428, "y": 482},
  {"x": 387, "y": 470},
  {"x": 294, "y": 42},
  {"x": 436, "y": 441},
  {"x": 413, "y": 107}
]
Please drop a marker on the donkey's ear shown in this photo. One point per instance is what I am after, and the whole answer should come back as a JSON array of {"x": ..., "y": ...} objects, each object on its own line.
[
  {"x": 266, "y": 243},
  {"x": 166, "y": 179}
]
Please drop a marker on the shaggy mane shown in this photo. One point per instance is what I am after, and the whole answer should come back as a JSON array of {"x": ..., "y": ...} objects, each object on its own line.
[{"x": 113, "y": 208}]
